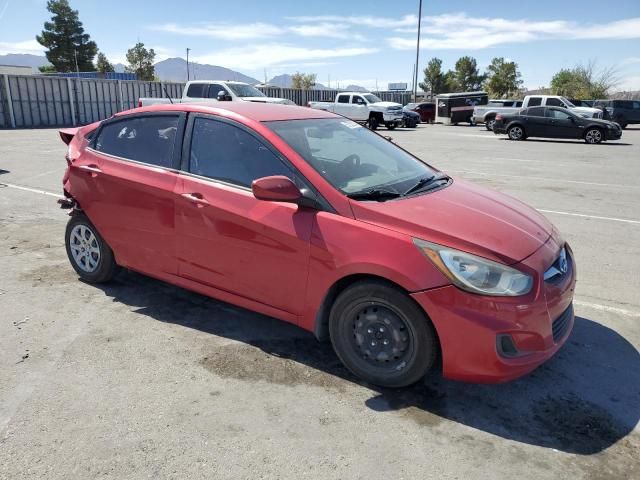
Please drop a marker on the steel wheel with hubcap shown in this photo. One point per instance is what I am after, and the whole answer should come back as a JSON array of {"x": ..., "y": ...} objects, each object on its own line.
[
  {"x": 381, "y": 335},
  {"x": 88, "y": 253},
  {"x": 593, "y": 136},
  {"x": 516, "y": 132}
]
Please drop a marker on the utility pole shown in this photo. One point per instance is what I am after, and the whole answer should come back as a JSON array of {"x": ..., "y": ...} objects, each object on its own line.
[
  {"x": 188, "y": 49},
  {"x": 75, "y": 56},
  {"x": 415, "y": 82}
]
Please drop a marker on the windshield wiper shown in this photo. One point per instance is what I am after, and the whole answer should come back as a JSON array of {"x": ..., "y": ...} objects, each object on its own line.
[
  {"x": 425, "y": 181},
  {"x": 374, "y": 194}
]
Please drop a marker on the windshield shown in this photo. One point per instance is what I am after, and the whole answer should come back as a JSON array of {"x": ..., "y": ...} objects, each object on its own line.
[
  {"x": 245, "y": 90},
  {"x": 350, "y": 157},
  {"x": 372, "y": 98},
  {"x": 567, "y": 102}
]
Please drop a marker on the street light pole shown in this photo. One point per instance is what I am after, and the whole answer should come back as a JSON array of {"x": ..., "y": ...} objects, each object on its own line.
[
  {"x": 415, "y": 80},
  {"x": 188, "y": 49}
]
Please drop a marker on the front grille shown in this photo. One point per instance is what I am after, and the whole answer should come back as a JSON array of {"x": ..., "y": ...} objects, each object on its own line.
[{"x": 561, "y": 324}]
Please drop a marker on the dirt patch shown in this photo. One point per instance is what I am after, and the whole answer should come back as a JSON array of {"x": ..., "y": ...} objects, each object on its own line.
[
  {"x": 296, "y": 361},
  {"x": 44, "y": 275}
]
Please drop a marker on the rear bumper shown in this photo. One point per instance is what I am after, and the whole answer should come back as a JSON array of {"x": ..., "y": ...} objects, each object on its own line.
[{"x": 470, "y": 325}]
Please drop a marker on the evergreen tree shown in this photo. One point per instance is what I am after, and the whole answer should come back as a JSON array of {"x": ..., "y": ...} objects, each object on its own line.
[
  {"x": 435, "y": 81},
  {"x": 467, "y": 75},
  {"x": 102, "y": 64},
  {"x": 141, "y": 62},
  {"x": 65, "y": 40},
  {"x": 503, "y": 78}
]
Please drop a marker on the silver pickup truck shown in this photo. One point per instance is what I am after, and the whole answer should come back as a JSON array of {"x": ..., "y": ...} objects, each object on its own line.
[{"x": 487, "y": 113}]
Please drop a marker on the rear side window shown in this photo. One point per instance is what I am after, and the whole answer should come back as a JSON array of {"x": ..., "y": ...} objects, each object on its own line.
[
  {"x": 197, "y": 90},
  {"x": 557, "y": 114},
  {"x": 343, "y": 98},
  {"x": 636, "y": 105},
  {"x": 534, "y": 112},
  {"x": 147, "y": 139},
  {"x": 533, "y": 101},
  {"x": 228, "y": 153},
  {"x": 518, "y": 104}
]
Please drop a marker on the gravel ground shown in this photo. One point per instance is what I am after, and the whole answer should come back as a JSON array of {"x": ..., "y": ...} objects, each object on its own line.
[{"x": 139, "y": 379}]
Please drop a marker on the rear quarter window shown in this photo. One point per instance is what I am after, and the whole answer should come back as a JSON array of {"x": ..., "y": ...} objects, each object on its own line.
[{"x": 197, "y": 90}]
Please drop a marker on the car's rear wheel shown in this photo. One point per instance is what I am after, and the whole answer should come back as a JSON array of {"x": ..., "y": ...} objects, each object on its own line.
[
  {"x": 89, "y": 254},
  {"x": 593, "y": 136},
  {"x": 516, "y": 132},
  {"x": 489, "y": 123},
  {"x": 381, "y": 335}
]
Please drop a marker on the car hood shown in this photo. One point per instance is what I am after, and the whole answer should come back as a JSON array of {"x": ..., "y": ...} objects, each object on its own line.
[
  {"x": 268, "y": 100},
  {"x": 464, "y": 216},
  {"x": 385, "y": 104}
]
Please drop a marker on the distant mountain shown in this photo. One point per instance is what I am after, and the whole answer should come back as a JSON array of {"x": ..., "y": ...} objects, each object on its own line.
[
  {"x": 175, "y": 69},
  {"x": 24, "y": 60},
  {"x": 285, "y": 81},
  {"x": 356, "y": 88}
]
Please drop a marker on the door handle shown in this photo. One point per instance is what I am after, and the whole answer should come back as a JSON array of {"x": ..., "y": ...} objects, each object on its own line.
[
  {"x": 196, "y": 198},
  {"x": 90, "y": 168}
]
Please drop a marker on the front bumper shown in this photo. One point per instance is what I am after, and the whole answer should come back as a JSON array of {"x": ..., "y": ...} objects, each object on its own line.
[
  {"x": 469, "y": 325},
  {"x": 393, "y": 117},
  {"x": 613, "y": 134}
]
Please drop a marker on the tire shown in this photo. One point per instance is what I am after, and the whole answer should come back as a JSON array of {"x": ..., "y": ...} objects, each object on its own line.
[
  {"x": 381, "y": 335},
  {"x": 489, "y": 123},
  {"x": 516, "y": 132},
  {"x": 390, "y": 125},
  {"x": 593, "y": 136},
  {"x": 373, "y": 123},
  {"x": 89, "y": 254}
]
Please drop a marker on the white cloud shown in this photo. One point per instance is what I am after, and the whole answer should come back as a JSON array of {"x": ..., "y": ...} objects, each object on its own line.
[
  {"x": 222, "y": 31},
  {"x": 325, "y": 29},
  {"x": 267, "y": 55},
  {"x": 630, "y": 61},
  {"x": 629, "y": 83},
  {"x": 27, "y": 46},
  {"x": 460, "y": 31},
  {"x": 364, "y": 21}
]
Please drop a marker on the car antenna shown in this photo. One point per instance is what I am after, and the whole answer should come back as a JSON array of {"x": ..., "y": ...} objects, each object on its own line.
[{"x": 167, "y": 94}]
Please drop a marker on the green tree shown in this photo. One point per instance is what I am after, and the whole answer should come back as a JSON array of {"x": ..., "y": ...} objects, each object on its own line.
[
  {"x": 435, "y": 81},
  {"x": 303, "y": 81},
  {"x": 503, "y": 78},
  {"x": 584, "y": 82},
  {"x": 467, "y": 75},
  {"x": 65, "y": 40},
  {"x": 102, "y": 64},
  {"x": 141, "y": 62}
]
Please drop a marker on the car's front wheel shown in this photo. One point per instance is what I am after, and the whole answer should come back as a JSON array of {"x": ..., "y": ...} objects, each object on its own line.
[
  {"x": 390, "y": 125},
  {"x": 89, "y": 254},
  {"x": 593, "y": 136},
  {"x": 381, "y": 335},
  {"x": 516, "y": 132}
]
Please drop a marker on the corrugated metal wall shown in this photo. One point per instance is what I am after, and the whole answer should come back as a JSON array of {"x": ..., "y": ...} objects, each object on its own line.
[{"x": 32, "y": 101}]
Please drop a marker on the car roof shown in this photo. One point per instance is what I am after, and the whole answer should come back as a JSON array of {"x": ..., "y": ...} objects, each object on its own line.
[{"x": 257, "y": 111}]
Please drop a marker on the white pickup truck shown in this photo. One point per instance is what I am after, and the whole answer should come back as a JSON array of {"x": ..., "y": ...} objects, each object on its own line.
[
  {"x": 487, "y": 113},
  {"x": 203, "y": 91},
  {"x": 364, "y": 108}
]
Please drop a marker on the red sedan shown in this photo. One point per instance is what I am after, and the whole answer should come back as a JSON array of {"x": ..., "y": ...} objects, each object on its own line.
[{"x": 310, "y": 218}]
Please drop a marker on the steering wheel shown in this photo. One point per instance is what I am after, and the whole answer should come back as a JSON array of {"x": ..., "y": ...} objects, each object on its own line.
[{"x": 352, "y": 160}]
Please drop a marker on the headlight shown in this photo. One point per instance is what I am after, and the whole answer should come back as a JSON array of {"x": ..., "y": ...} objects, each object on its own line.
[{"x": 476, "y": 274}]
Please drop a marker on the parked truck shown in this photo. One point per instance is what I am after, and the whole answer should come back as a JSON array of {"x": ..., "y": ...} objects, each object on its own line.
[
  {"x": 487, "y": 114},
  {"x": 364, "y": 108},
  {"x": 204, "y": 91}
]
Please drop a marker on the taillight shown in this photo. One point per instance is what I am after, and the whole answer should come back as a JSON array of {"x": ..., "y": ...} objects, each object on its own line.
[
  {"x": 499, "y": 117},
  {"x": 139, "y": 103}
]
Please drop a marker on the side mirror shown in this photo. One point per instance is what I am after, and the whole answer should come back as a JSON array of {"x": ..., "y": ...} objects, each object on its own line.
[
  {"x": 276, "y": 188},
  {"x": 223, "y": 97}
]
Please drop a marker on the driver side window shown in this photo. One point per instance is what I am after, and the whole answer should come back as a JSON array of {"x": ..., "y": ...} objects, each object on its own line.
[{"x": 358, "y": 100}]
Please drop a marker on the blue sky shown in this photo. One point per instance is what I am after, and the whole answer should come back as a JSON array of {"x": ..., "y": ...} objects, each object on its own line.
[{"x": 356, "y": 41}]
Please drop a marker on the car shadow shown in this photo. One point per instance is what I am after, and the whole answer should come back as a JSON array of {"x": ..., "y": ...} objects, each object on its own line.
[
  {"x": 608, "y": 143},
  {"x": 582, "y": 401}
]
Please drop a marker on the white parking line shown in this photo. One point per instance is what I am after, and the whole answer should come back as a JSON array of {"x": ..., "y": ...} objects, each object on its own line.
[
  {"x": 29, "y": 189},
  {"x": 606, "y": 308},
  {"x": 561, "y": 180},
  {"x": 597, "y": 217}
]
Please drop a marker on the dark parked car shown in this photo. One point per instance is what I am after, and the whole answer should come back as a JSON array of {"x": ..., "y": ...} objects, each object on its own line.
[
  {"x": 410, "y": 119},
  {"x": 426, "y": 110},
  {"x": 555, "y": 122},
  {"x": 623, "y": 112}
]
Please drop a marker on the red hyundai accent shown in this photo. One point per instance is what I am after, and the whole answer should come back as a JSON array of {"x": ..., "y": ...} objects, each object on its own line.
[{"x": 310, "y": 218}]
